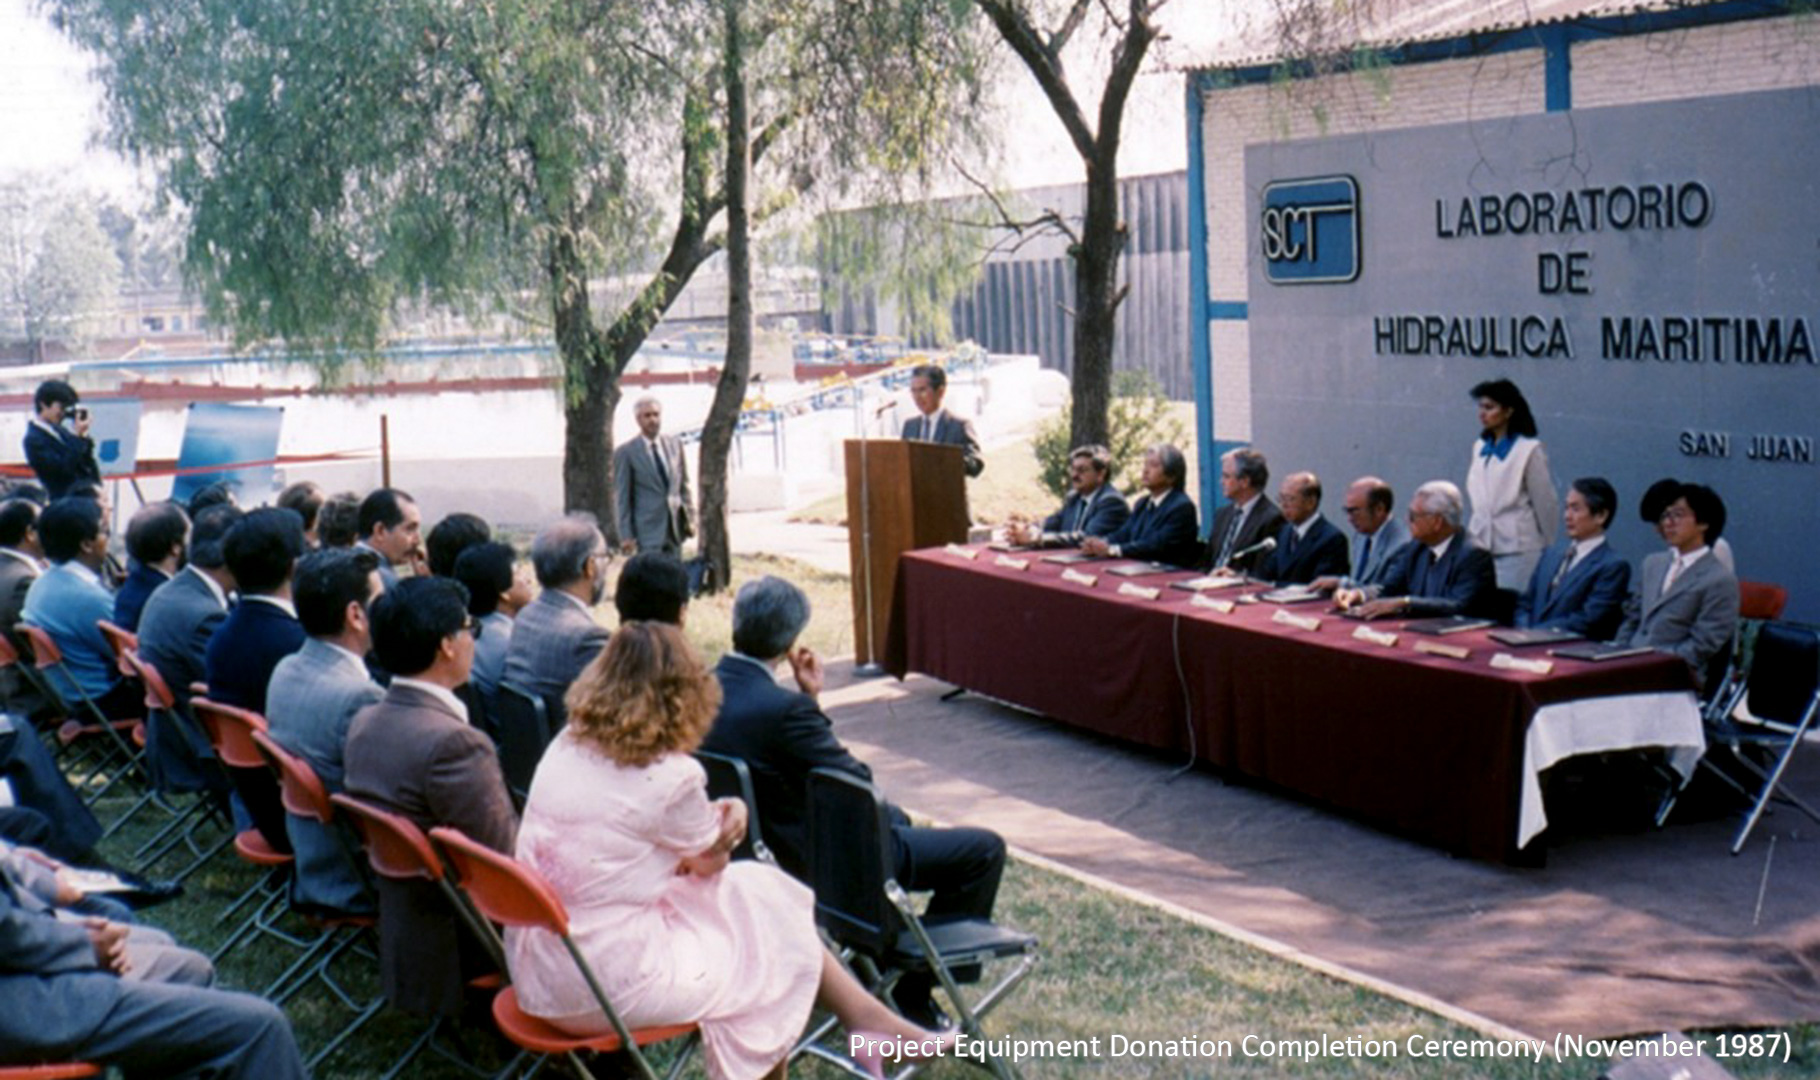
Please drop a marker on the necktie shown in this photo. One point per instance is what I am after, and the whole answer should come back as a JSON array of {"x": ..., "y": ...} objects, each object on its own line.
[
  {"x": 1365, "y": 557},
  {"x": 1232, "y": 534},
  {"x": 1567, "y": 563},
  {"x": 663, "y": 474},
  {"x": 1289, "y": 544},
  {"x": 1674, "y": 571},
  {"x": 1080, "y": 514}
]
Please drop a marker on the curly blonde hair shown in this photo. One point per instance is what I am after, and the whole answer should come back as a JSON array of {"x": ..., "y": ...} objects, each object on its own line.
[{"x": 646, "y": 695}]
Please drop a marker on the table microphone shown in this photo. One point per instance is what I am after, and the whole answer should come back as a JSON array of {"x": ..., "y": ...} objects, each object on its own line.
[{"x": 1268, "y": 544}]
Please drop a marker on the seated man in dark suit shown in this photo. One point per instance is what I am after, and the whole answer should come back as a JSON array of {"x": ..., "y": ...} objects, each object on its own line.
[
  {"x": 59, "y": 455},
  {"x": 1163, "y": 526},
  {"x": 1307, "y": 547},
  {"x": 155, "y": 538},
  {"x": 179, "y": 621},
  {"x": 1092, "y": 508},
  {"x": 928, "y": 386},
  {"x": 783, "y": 734},
  {"x": 416, "y": 754},
  {"x": 1685, "y": 600},
  {"x": 453, "y": 535},
  {"x": 1580, "y": 584},
  {"x": 311, "y": 700},
  {"x": 1248, "y": 518},
  {"x": 498, "y": 589},
  {"x": 555, "y": 635},
  {"x": 1439, "y": 572},
  {"x": 21, "y": 561},
  {"x": 68, "y": 602}
]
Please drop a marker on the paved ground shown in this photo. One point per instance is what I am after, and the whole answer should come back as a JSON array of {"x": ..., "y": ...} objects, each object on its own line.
[{"x": 770, "y": 532}]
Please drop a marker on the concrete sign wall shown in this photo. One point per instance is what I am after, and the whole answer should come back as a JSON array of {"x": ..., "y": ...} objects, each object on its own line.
[{"x": 1648, "y": 274}]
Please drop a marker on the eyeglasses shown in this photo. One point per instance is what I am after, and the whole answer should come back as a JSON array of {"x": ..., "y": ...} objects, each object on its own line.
[
  {"x": 1677, "y": 513},
  {"x": 473, "y": 626}
]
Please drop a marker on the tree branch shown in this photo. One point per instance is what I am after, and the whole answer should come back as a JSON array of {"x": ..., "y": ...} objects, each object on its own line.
[
  {"x": 1017, "y": 32},
  {"x": 1047, "y": 220}
]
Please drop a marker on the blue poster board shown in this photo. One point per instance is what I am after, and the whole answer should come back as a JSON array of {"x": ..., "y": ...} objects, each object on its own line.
[
  {"x": 236, "y": 443},
  {"x": 114, "y": 427}
]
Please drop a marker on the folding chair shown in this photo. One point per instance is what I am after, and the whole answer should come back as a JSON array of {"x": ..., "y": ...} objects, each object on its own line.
[
  {"x": 522, "y": 720},
  {"x": 510, "y": 893},
  {"x": 858, "y": 900},
  {"x": 1782, "y": 700},
  {"x": 731, "y": 778},
  {"x": 230, "y": 731},
  {"x": 69, "y": 1070},
  {"x": 122, "y": 641},
  {"x": 163, "y": 711},
  {"x": 120, "y": 758},
  {"x": 398, "y": 849}
]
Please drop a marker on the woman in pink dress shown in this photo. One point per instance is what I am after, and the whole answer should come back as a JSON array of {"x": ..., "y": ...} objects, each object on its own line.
[{"x": 619, "y": 821}]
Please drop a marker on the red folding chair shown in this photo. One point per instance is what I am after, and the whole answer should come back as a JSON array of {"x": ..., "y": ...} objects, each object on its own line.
[
  {"x": 69, "y": 1070},
  {"x": 511, "y": 893},
  {"x": 162, "y": 710},
  {"x": 119, "y": 759},
  {"x": 122, "y": 641},
  {"x": 230, "y": 732}
]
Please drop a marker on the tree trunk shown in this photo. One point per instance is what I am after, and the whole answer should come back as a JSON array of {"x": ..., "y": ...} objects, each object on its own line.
[
  {"x": 730, "y": 392},
  {"x": 589, "y": 383},
  {"x": 1096, "y": 301}
]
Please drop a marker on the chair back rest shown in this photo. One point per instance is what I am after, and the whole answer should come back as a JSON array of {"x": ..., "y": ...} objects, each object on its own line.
[
  {"x": 157, "y": 692},
  {"x": 504, "y": 889},
  {"x": 45, "y": 652},
  {"x": 522, "y": 720},
  {"x": 731, "y": 778},
  {"x": 122, "y": 641},
  {"x": 230, "y": 731},
  {"x": 1784, "y": 673},
  {"x": 396, "y": 847},
  {"x": 1761, "y": 601},
  {"x": 851, "y": 856},
  {"x": 298, "y": 785},
  {"x": 9, "y": 653}
]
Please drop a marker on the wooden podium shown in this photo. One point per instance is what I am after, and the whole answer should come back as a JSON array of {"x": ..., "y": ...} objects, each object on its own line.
[{"x": 900, "y": 495}]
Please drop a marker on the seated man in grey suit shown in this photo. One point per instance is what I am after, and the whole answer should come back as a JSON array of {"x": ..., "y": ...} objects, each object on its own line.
[
  {"x": 651, "y": 486},
  {"x": 1248, "y": 518},
  {"x": 311, "y": 701},
  {"x": 1685, "y": 601},
  {"x": 1376, "y": 532},
  {"x": 1439, "y": 572},
  {"x": 928, "y": 386},
  {"x": 1581, "y": 584},
  {"x": 1092, "y": 508},
  {"x": 67, "y": 993},
  {"x": 1307, "y": 546},
  {"x": 555, "y": 636}
]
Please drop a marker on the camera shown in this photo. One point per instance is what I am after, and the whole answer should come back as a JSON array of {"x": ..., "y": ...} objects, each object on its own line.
[{"x": 79, "y": 413}]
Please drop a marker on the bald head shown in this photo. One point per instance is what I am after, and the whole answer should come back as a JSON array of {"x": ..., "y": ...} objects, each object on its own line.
[
  {"x": 1299, "y": 497},
  {"x": 1369, "y": 502}
]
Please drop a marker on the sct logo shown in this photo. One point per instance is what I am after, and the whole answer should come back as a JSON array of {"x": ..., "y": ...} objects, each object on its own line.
[{"x": 1310, "y": 230}]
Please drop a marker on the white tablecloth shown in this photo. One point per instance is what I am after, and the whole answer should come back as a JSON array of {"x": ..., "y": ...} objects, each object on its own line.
[{"x": 1596, "y": 725}]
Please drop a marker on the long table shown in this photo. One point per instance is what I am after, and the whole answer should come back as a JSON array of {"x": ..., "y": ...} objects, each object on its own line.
[{"x": 1444, "y": 750}]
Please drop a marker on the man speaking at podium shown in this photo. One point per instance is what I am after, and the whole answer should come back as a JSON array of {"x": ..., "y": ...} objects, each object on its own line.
[{"x": 928, "y": 385}]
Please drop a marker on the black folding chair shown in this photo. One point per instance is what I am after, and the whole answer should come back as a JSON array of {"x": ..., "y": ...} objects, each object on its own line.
[
  {"x": 521, "y": 721},
  {"x": 1782, "y": 698},
  {"x": 730, "y": 778},
  {"x": 863, "y": 908}
]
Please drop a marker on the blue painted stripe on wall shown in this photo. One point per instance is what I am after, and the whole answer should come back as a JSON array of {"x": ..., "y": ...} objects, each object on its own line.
[
  {"x": 1557, "y": 77},
  {"x": 1200, "y": 340},
  {"x": 1228, "y": 309}
]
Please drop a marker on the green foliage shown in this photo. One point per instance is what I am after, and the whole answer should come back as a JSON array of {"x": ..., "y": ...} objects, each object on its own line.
[{"x": 1139, "y": 418}]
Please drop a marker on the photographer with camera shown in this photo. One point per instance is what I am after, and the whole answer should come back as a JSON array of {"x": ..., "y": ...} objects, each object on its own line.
[{"x": 61, "y": 456}]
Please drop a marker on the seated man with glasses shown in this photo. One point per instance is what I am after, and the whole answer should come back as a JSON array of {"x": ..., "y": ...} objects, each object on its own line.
[
  {"x": 1685, "y": 601},
  {"x": 1092, "y": 508},
  {"x": 1439, "y": 572},
  {"x": 555, "y": 635}
]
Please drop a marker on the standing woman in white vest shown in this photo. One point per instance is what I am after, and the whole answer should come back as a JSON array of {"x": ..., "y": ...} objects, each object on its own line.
[{"x": 1515, "y": 511}]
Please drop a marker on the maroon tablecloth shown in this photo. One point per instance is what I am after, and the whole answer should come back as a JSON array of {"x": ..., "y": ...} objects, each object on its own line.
[{"x": 1425, "y": 745}]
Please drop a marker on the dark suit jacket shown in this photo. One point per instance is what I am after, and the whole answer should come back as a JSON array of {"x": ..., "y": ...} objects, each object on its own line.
[
  {"x": 1461, "y": 583},
  {"x": 52, "y": 994},
  {"x": 782, "y": 735},
  {"x": 652, "y": 512},
  {"x": 61, "y": 459},
  {"x": 245, "y": 650},
  {"x": 1066, "y": 528},
  {"x": 953, "y": 430},
  {"x": 1298, "y": 561},
  {"x": 16, "y": 578},
  {"x": 129, "y": 602},
  {"x": 1590, "y": 599},
  {"x": 553, "y": 639},
  {"x": 413, "y": 756},
  {"x": 1695, "y": 619},
  {"x": 1166, "y": 531},
  {"x": 179, "y": 620},
  {"x": 1265, "y": 520}
]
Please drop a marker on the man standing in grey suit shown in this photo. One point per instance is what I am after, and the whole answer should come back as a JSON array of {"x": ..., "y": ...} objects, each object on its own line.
[
  {"x": 555, "y": 635},
  {"x": 1685, "y": 601},
  {"x": 311, "y": 701},
  {"x": 651, "y": 486}
]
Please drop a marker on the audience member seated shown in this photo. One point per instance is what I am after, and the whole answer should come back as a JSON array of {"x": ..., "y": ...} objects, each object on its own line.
[
  {"x": 498, "y": 589},
  {"x": 338, "y": 522},
  {"x": 21, "y": 561},
  {"x": 1163, "y": 526},
  {"x": 783, "y": 735},
  {"x": 415, "y": 753},
  {"x": 1439, "y": 572},
  {"x": 1656, "y": 500},
  {"x": 306, "y": 497},
  {"x": 620, "y": 823},
  {"x": 653, "y": 586},
  {"x": 1307, "y": 547},
  {"x": 555, "y": 636},
  {"x": 219, "y": 493},
  {"x": 179, "y": 621},
  {"x": 312, "y": 698},
  {"x": 68, "y": 602},
  {"x": 155, "y": 540},
  {"x": 1092, "y": 508},
  {"x": 41, "y": 884},
  {"x": 67, "y": 993},
  {"x": 453, "y": 535},
  {"x": 1580, "y": 585},
  {"x": 392, "y": 528},
  {"x": 261, "y": 630},
  {"x": 1248, "y": 518},
  {"x": 1685, "y": 601},
  {"x": 31, "y": 783}
]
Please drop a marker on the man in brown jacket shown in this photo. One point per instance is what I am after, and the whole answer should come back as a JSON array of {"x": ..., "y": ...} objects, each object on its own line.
[{"x": 415, "y": 753}]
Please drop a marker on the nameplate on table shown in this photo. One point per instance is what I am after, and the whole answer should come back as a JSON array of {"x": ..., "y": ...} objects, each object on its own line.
[
  {"x": 1505, "y": 662},
  {"x": 1300, "y": 622},
  {"x": 1374, "y": 637},
  {"x": 1142, "y": 592},
  {"x": 963, "y": 552},
  {"x": 1010, "y": 563},
  {"x": 1211, "y": 581},
  {"x": 1224, "y": 607},
  {"x": 1436, "y": 648},
  {"x": 1079, "y": 578}
]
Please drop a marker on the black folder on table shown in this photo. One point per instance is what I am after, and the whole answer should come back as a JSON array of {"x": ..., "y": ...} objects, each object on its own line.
[
  {"x": 1448, "y": 624},
  {"x": 1518, "y": 639},
  {"x": 1593, "y": 650}
]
